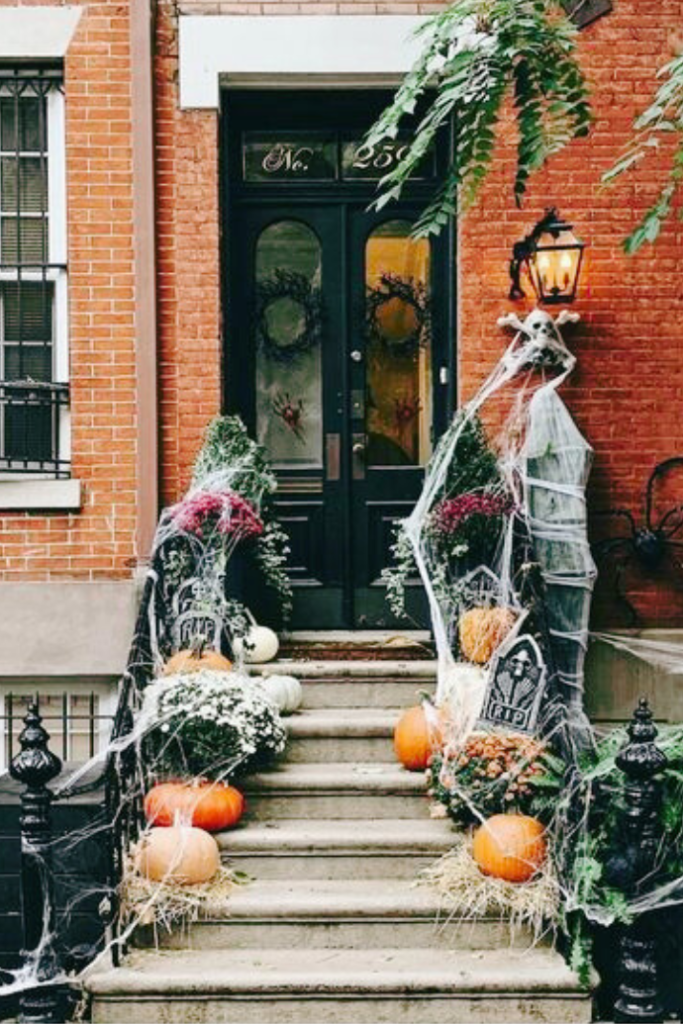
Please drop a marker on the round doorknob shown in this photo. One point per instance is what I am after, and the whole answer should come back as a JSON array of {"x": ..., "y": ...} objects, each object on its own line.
[
  {"x": 358, "y": 448},
  {"x": 357, "y": 355}
]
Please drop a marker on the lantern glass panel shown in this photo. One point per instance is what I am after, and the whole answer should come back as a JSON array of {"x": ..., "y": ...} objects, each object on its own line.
[{"x": 554, "y": 267}]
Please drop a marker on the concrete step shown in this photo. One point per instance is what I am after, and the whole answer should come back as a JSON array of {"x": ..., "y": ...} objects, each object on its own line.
[
  {"x": 337, "y": 914},
  {"x": 368, "y": 692},
  {"x": 341, "y": 734},
  {"x": 342, "y": 790},
  {"x": 357, "y": 684},
  {"x": 289, "y": 849},
  {"x": 317, "y": 986}
]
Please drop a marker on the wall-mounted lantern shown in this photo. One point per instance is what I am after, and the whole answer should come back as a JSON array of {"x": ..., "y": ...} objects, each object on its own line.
[{"x": 551, "y": 255}]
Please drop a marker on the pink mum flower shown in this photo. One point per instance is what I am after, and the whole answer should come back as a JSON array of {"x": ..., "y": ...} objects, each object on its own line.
[
  {"x": 234, "y": 515},
  {"x": 450, "y": 514}
]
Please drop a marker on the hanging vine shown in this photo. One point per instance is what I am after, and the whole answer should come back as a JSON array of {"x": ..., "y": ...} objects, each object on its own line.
[
  {"x": 662, "y": 120},
  {"x": 474, "y": 54}
]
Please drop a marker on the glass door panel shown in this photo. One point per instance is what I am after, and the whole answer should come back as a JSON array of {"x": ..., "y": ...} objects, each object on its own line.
[
  {"x": 288, "y": 315},
  {"x": 398, "y": 356}
]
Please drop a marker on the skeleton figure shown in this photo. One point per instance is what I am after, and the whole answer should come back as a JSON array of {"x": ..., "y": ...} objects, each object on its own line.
[{"x": 538, "y": 342}]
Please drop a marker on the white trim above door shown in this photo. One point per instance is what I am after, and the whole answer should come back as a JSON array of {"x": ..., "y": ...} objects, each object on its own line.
[{"x": 302, "y": 50}]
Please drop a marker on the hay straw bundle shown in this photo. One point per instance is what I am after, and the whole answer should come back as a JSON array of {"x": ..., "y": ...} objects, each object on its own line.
[{"x": 468, "y": 894}]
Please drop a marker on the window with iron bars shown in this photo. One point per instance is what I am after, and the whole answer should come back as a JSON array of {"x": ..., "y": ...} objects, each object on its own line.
[
  {"x": 34, "y": 390},
  {"x": 78, "y": 720}
]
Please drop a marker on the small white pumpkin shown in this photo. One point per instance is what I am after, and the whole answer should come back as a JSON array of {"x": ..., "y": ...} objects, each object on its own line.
[
  {"x": 285, "y": 691},
  {"x": 260, "y": 644}
]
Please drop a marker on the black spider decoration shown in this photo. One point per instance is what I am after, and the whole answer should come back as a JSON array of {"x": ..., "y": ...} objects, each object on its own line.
[{"x": 650, "y": 544}]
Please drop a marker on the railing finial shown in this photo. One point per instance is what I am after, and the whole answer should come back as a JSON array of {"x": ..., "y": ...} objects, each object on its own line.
[
  {"x": 632, "y": 862},
  {"x": 35, "y": 765}
]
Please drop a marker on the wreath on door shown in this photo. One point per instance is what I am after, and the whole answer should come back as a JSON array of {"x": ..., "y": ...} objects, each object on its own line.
[
  {"x": 294, "y": 291},
  {"x": 414, "y": 323}
]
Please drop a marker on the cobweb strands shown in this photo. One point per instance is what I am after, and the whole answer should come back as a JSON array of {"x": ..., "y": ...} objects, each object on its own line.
[
  {"x": 202, "y": 728},
  {"x": 534, "y": 477}
]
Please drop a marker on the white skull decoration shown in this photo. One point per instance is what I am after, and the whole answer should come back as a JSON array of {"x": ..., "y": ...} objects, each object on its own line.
[{"x": 539, "y": 342}]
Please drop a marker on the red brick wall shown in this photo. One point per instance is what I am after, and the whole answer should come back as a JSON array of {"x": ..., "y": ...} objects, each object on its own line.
[
  {"x": 188, "y": 266},
  {"x": 628, "y": 389},
  {"x": 627, "y": 392},
  {"x": 99, "y": 541}
]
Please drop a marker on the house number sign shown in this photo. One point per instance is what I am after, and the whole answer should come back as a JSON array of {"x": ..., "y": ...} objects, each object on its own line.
[{"x": 314, "y": 156}]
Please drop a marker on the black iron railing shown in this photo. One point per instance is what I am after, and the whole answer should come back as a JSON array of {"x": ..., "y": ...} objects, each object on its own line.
[{"x": 31, "y": 436}]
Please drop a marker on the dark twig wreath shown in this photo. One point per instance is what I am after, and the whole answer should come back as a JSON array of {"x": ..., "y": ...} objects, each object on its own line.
[
  {"x": 288, "y": 284},
  {"x": 413, "y": 294}
]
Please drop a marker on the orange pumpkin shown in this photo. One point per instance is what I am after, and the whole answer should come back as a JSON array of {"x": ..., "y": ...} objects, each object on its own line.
[
  {"x": 212, "y": 806},
  {"x": 510, "y": 846},
  {"x": 180, "y": 855},
  {"x": 196, "y": 658},
  {"x": 418, "y": 734},
  {"x": 482, "y": 630}
]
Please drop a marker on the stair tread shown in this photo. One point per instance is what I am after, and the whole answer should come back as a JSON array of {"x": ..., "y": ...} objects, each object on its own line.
[
  {"x": 294, "y": 834},
  {"x": 319, "y": 971},
  {"x": 371, "y": 777},
  {"x": 332, "y": 898},
  {"x": 356, "y": 669},
  {"x": 343, "y": 722}
]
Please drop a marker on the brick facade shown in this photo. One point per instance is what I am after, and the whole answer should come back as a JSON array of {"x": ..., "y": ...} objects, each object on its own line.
[
  {"x": 626, "y": 393},
  {"x": 99, "y": 541}
]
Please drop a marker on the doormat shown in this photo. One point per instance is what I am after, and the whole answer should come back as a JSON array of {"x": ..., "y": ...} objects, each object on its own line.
[{"x": 405, "y": 650}]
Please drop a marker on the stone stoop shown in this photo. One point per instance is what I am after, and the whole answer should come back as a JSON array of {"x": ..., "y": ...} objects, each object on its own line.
[{"x": 333, "y": 926}]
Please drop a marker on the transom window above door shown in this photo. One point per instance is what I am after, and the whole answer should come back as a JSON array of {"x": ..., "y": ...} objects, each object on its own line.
[{"x": 324, "y": 156}]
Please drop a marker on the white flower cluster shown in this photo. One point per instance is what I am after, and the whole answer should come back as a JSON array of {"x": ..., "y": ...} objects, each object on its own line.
[{"x": 224, "y": 716}]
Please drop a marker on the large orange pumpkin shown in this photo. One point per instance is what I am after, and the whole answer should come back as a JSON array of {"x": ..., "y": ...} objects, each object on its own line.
[
  {"x": 417, "y": 736},
  {"x": 482, "y": 630},
  {"x": 196, "y": 658},
  {"x": 212, "y": 806},
  {"x": 180, "y": 855},
  {"x": 510, "y": 846}
]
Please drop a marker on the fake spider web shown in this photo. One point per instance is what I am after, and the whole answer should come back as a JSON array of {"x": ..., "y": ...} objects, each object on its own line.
[
  {"x": 500, "y": 524},
  {"x": 212, "y": 725}
]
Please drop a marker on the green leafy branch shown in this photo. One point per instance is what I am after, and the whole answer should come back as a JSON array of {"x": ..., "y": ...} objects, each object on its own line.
[
  {"x": 474, "y": 53},
  {"x": 662, "y": 119}
]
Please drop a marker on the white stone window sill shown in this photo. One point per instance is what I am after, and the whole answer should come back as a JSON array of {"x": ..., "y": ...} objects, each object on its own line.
[{"x": 24, "y": 495}]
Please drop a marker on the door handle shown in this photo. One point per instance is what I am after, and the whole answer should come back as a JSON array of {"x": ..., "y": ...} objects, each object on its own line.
[
  {"x": 358, "y": 448},
  {"x": 357, "y": 355}
]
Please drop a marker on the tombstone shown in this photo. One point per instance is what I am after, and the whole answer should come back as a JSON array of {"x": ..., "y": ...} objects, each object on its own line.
[
  {"x": 515, "y": 687},
  {"x": 481, "y": 586},
  {"x": 193, "y": 626}
]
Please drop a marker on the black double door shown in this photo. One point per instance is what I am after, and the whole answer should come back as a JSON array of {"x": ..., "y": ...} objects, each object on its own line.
[{"x": 341, "y": 369}]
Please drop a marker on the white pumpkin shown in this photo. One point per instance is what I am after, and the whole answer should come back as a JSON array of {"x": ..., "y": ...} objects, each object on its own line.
[
  {"x": 260, "y": 644},
  {"x": 285, "y": 691},
  {"x": 180, "y": 854}
]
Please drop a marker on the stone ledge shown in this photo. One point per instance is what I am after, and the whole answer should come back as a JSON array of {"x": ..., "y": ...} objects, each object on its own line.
[
  {"x": 29, "y": 495},
  {"x": 64, "y": 628}
]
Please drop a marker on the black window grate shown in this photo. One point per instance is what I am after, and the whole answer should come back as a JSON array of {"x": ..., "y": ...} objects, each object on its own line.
[
  {"x": 32, "y": 404},
  {"x": 78, "y": 726}
]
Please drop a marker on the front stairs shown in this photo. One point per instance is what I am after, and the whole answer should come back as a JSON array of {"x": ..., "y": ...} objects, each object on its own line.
[{"x": 332, "y": 926}]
